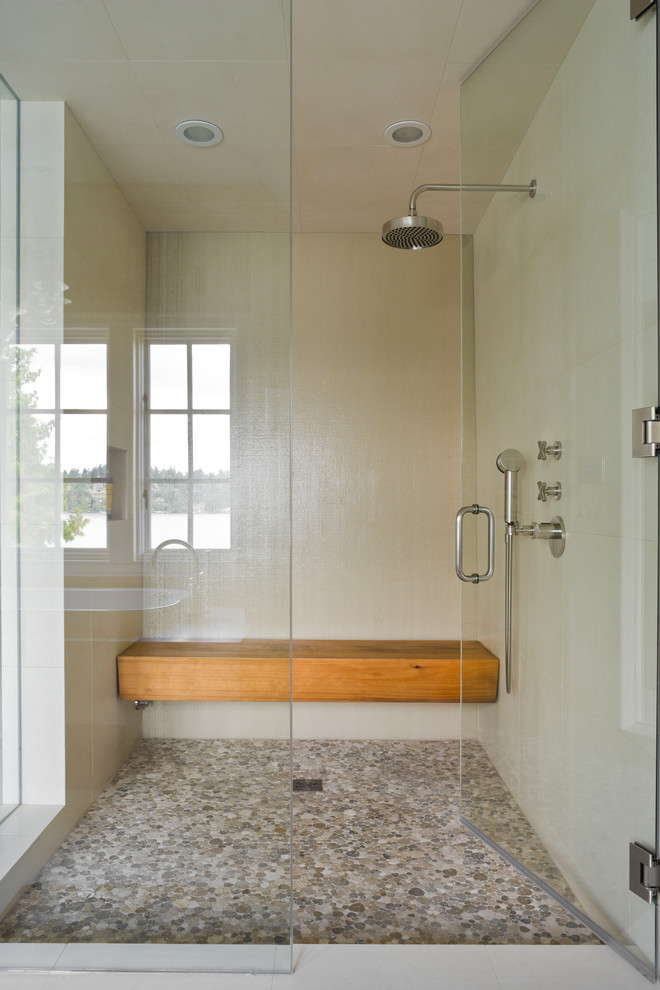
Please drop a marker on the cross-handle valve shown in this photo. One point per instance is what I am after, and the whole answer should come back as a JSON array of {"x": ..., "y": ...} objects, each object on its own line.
[
  {"x": 548, "y": 450},
  {"x": 548, "y": 491}
]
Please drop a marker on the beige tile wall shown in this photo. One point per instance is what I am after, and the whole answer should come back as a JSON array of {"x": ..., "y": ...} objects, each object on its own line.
[
  {"x": 376, "y": 448},
  {"x": 376, "y": 355},
  {"x": 565, "y": 302}
]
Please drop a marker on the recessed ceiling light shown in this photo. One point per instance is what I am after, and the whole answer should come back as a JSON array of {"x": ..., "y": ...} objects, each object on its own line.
[
  {"x": 407, "y": 133},
  {"x": 200, "y": 133}
]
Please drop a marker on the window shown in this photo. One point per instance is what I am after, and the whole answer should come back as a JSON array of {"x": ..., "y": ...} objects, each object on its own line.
[
  {"x": 187, "y": 437},
  {"x": 62, "y": 404}
]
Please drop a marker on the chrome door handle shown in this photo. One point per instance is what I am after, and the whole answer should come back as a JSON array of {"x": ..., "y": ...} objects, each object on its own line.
[{"x": 475, "y": 510}]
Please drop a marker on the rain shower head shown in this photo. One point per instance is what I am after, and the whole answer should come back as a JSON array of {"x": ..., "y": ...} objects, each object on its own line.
[{"x": 412, "y": 232}]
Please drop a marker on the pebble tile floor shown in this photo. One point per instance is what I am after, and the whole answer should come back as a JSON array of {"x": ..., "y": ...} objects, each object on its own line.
[{"x": 190, "y": 843}]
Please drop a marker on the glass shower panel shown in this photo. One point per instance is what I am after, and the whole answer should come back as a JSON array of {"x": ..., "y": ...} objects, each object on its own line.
[
  {"x": 154, "y": 389},
  {"x": 211, "y": 376},
  {"x": 10, "y": 782},
  {"x": 219, "y": 534},
  {"x": 168, "y": 379},
  {"x": 560, "y": 344}
]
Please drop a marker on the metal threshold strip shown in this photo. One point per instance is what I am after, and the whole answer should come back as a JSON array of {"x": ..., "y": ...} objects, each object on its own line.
[{"x": 604, "y": 936}]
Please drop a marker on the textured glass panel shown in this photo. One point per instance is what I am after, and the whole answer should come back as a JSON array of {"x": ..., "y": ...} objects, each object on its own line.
[
  {"x": 211, "y": 445},
  {"x": 212, "y": 531},
  {"x": 168, "y": 381},
  {"x": 210, "y": 376},
  {"x": 211, "y": 520},
  {"x": 83, "y": 376},
  {"x": 168, "y": 519},
  {"x": 212, "y": 496}
]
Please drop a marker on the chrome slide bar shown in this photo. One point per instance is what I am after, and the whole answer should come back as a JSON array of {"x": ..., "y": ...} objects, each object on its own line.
[
  {"x": 509, "y": 537},
  {"x": 509, "y": 463}
]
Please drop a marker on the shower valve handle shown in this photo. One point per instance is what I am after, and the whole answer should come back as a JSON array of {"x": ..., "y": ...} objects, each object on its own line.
[
  {"x": 548, "y": 450},
  {"x": 548, "y": 491}
]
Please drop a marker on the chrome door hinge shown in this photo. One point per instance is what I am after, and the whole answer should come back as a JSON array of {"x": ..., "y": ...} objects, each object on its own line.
[
  {"x": 646, "y": 432},
  {"x": 644, "y": 873}
]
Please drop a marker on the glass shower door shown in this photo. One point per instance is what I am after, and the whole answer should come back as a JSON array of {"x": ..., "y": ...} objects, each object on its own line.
[
  {"x": 151, "y": 387},
  {"x": 560, "y": 345}
]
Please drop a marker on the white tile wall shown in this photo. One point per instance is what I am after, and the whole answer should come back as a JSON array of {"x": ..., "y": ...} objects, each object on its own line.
[
  {"x": 67, "y": 198},
  {"x": 42, "y": 639}
]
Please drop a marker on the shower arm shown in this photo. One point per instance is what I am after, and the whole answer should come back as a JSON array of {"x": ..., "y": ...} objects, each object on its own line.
[{"x": 432, "y": 187}]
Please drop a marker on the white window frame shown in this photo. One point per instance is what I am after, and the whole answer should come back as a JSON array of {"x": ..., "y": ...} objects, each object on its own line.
[
  {"x": 188, "y": 337},
  {"x": 75, "y": 336}
]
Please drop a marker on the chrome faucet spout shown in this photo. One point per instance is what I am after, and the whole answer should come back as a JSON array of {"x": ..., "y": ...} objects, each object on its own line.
[{"x": 180, "y": 543}]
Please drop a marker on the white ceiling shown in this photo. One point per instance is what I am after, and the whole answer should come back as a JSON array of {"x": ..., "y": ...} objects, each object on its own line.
[{"x": 132, "y": 69}]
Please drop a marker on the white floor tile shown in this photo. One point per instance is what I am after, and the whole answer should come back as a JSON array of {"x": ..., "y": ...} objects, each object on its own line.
[
  {"x": 578, "y": 967},
  {"x": 386, "y": 967},
  {"x": 389, "y": 967},
  {"x": 36, "y": 955},
  {"x": 21, "y": 981}
]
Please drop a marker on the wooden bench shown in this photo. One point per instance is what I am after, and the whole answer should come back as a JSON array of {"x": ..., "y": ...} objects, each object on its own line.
[{"x": 323, "y": 670}]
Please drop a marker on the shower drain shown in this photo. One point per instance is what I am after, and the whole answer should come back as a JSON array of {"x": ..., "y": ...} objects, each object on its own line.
[{"x": 307, "y": 784}]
